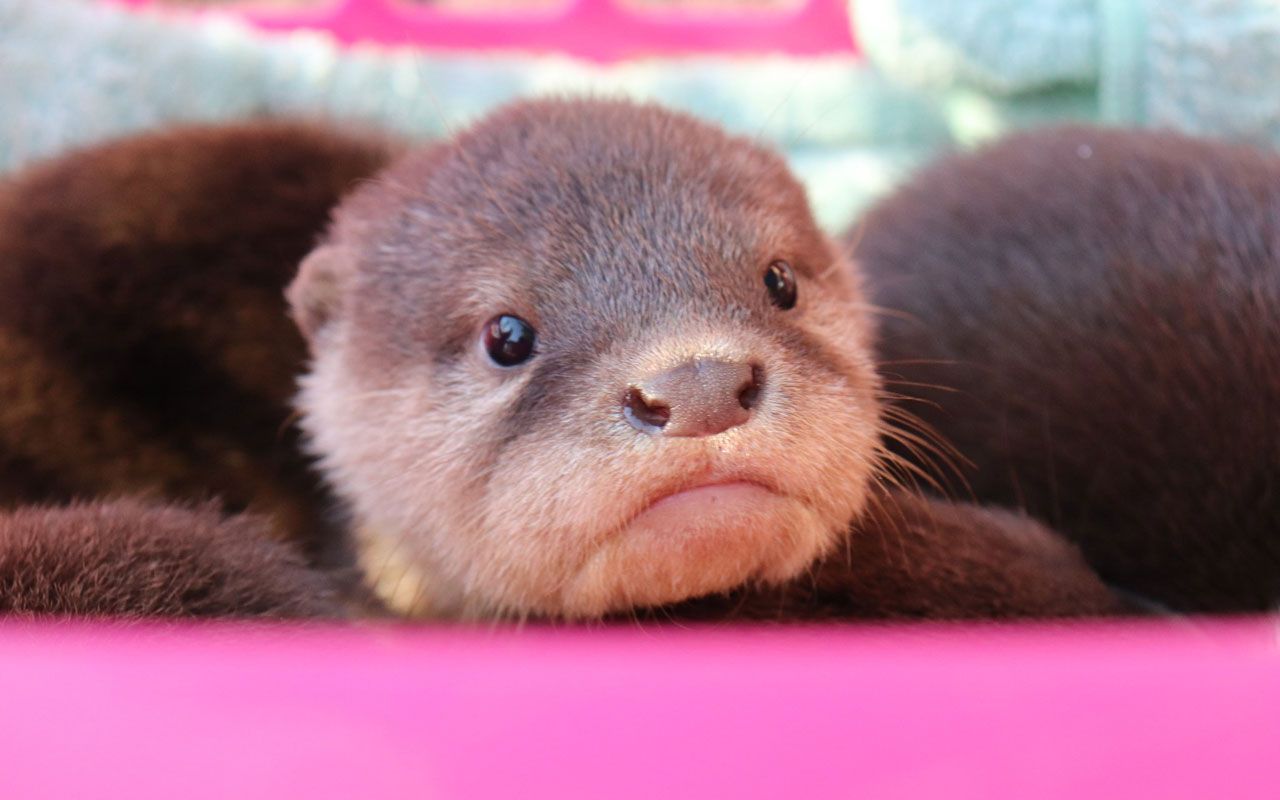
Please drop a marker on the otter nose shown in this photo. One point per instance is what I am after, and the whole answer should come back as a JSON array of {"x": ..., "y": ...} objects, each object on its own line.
[{"x": 701, "y": 397}]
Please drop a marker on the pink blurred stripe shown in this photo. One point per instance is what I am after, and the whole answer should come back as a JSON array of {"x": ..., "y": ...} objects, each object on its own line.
[
  {"x": 602, "y": 30},
  {"x": 1134, "y": 712}
]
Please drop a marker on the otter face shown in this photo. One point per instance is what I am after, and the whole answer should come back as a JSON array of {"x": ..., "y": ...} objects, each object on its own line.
[{"x": 588, "y": 356}]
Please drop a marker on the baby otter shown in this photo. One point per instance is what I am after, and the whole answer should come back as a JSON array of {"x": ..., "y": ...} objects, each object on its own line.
[
  {"x": 1093, "y": 318},
  {"x": 584, "y": 358}
]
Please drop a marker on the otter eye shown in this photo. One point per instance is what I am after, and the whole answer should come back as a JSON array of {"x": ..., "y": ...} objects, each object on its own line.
[
  {"x": 780, "y": 280},
  {"x": 509, "y": 340}
]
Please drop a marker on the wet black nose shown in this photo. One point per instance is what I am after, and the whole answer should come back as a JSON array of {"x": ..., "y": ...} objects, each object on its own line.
[{"x": 701, "y": 397}]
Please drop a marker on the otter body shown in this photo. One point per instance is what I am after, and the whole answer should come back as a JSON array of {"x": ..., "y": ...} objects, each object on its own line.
[
  {"x": 1092, "y": 318},
  {"x": 145, "y": 346},
  {"x": 586, "y": 359}
]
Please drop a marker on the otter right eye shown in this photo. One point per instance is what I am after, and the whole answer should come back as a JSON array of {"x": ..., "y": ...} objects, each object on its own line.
[
  {"x": 509, "y": 340},
  {"x": 780, "y": 280}
]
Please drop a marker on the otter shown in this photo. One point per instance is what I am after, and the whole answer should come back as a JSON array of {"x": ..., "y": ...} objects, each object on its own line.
[
  {"x": 586, "y": 358},
  {"x": 1092, "y": 318}
]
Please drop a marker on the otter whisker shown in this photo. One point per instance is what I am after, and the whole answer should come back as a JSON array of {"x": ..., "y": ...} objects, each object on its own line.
[{"x": 902, "y": 426}]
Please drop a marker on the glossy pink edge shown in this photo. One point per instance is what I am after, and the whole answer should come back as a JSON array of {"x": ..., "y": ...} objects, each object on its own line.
[
  {"x": 1137, "y": 711},
  {"x": 601, "y": 30}
]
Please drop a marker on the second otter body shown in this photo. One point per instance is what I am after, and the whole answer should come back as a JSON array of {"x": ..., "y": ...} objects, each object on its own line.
[
  {"x": 145, "y": 345},
  {"x": 1093, "y": 319}
]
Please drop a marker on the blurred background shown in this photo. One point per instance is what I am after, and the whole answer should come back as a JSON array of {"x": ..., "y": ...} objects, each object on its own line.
[
  {"x": 487, "y": 5},
  {"x": 856, "y": 92}
]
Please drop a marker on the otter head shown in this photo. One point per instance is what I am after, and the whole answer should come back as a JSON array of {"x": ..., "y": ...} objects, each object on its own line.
[{"x": 586, "y": 356}]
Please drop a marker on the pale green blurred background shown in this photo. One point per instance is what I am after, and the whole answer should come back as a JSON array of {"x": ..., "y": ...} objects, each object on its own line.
[{"x": 934, "y": 75}]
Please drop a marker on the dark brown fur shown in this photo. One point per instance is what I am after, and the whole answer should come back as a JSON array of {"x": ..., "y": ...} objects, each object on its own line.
[
  {"x": 911, "y": 557},
  {"x": 144, "y": 348},
  {"x": 130, "y": 559},
  {"x": 1093, "y": 318},
  {"x": 144, "y": 342}
]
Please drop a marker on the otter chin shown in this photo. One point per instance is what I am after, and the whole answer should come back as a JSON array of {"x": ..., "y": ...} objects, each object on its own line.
[
  {"x": 699, "y": 540},
  {"x": 584, "y": 357}
]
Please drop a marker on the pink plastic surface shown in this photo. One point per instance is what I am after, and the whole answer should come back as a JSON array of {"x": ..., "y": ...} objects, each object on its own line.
[
  {"x": 1170, "y": 712},
  {"x": 604, "y": 30}
]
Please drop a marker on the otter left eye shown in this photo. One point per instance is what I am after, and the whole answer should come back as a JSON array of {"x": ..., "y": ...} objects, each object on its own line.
[
  {"x": 509, "y": 340},
  {"x": 780, "y": 280}
]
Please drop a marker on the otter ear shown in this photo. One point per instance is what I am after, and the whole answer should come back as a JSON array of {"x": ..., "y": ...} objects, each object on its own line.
[{"x": 315, "y": 296}]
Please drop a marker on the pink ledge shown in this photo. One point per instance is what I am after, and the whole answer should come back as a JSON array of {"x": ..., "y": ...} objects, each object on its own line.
[
  {"x": 151, "y": 712},
  {"x": 601, "y": 30}
]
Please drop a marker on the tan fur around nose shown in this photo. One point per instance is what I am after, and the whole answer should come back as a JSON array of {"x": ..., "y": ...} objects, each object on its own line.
[{"x": 701, "y": 397}]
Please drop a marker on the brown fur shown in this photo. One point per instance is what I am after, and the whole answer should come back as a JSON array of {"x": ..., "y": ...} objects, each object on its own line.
[
  {"x": 144, "y": 342},
  {"x": 910, "y": 557},
  {"x": 1093, "y": 318},
  {"x": 142, "y": 349},
  {"x": 129, "y": 559}
]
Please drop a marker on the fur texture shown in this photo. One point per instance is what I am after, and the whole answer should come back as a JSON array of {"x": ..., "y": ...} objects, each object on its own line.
[
  {"x": 129, "y": 559},
  {"x": 910, "y": 557},
  {"x": 145, "y": 346},
  {"x": 1092, "y": 318}
]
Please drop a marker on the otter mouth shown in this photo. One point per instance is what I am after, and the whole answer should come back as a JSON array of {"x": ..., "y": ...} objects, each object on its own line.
[
  {"x": 702, "y": 498},
  {"x": 708, "y": 502}
]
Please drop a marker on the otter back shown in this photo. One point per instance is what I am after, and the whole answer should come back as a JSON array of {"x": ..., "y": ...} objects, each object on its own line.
[{"x": 1093, "y": 318}]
